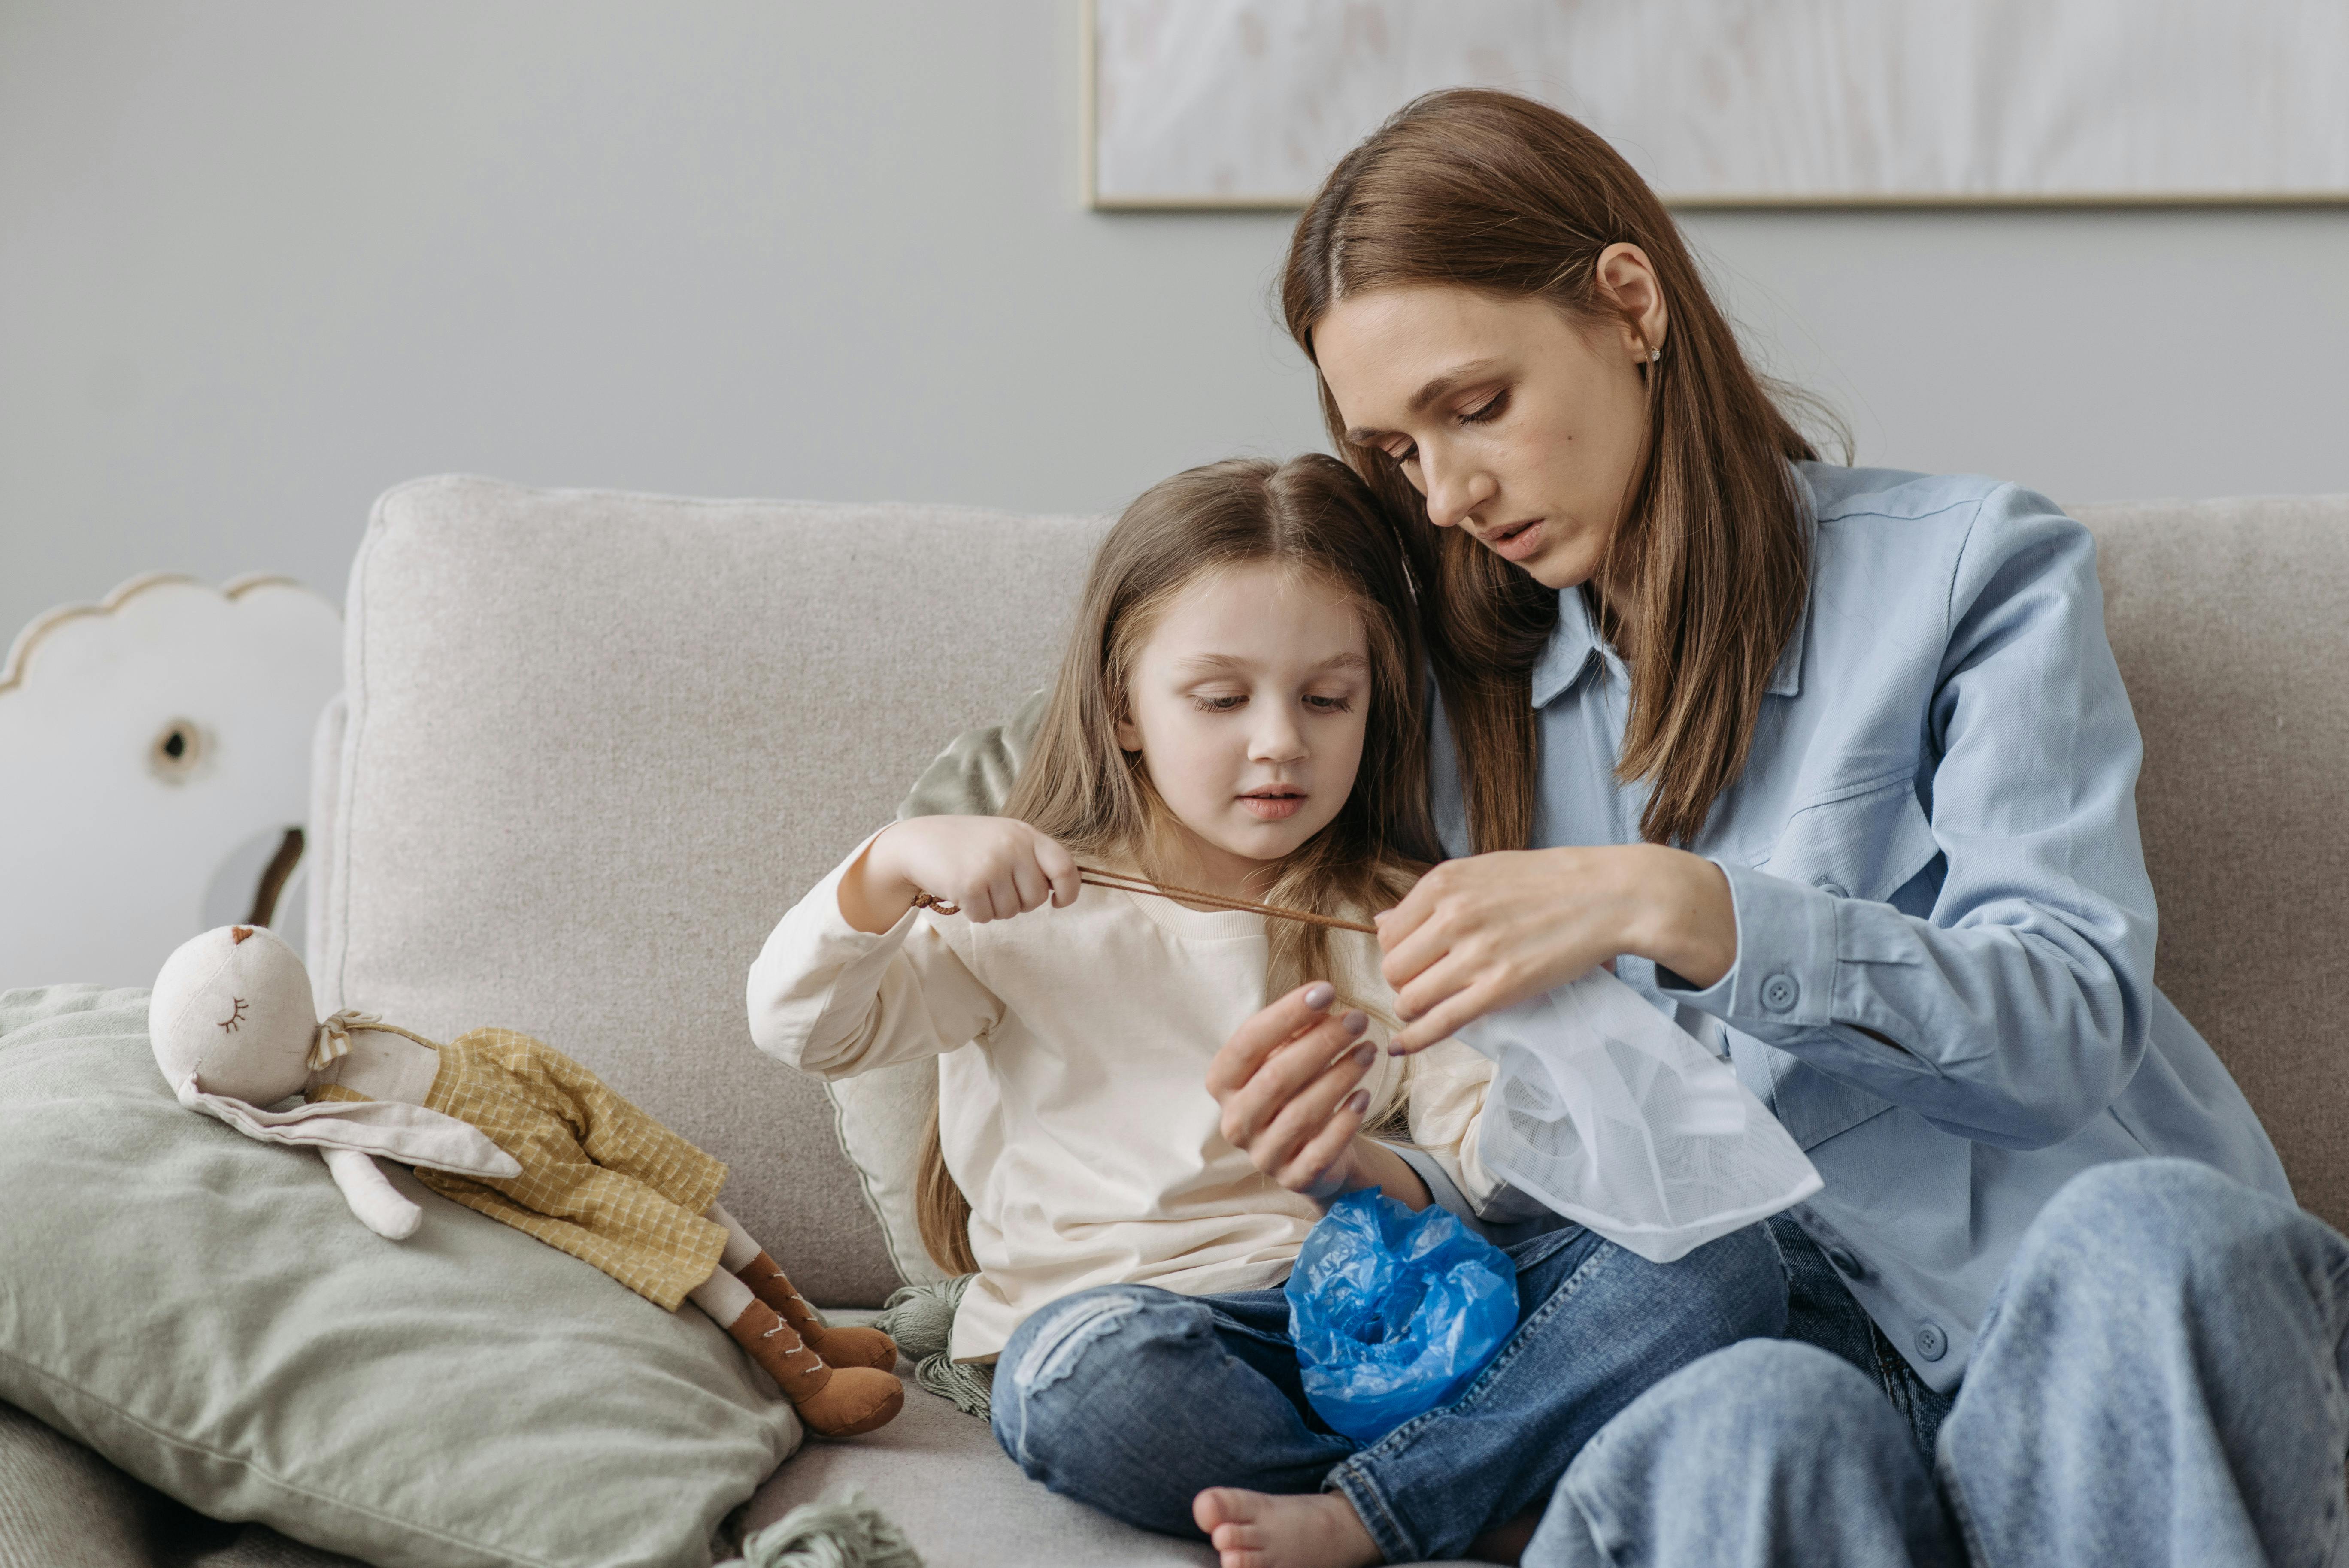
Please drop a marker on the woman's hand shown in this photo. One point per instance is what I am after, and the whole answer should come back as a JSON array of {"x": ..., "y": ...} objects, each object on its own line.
[
  {"x": 1289, "y": 1082},
  {"x": 992, "y": 868},
  {"x": 1487, "y": 932}
]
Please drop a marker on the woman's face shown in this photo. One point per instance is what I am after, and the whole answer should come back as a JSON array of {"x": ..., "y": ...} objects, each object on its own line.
[{"x": 1517, "y": 422}]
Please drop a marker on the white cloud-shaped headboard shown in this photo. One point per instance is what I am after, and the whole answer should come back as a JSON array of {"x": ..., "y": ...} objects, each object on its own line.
[{"x": 153, "y": 751}]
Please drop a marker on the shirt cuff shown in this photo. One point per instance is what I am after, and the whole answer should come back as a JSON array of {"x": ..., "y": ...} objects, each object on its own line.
[
  {"x": 813, "y": 956},
  {"x": 822, "y": 902},
  {"x": 1785, "y": 968}
]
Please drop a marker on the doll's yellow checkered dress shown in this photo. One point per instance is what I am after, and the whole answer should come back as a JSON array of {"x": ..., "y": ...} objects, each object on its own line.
[{"x": 600, "y": 1179}]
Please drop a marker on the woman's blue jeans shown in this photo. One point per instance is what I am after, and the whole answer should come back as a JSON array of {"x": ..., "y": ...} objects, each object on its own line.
[
  {"x": 2160, "y": 1379},
  {"x": 1135, "y": 1400}
]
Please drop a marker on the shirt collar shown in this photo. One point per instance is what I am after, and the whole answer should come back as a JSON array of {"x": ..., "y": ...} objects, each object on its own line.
[
  {"x": 1573, "y": 646},
  {"x": 1787, "y": 680}
]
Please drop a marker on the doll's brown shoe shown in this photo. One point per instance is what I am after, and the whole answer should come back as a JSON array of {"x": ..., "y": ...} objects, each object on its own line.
[
  {"x": 842, "y": 1347},
  {"x": 833, "y": 1401}
]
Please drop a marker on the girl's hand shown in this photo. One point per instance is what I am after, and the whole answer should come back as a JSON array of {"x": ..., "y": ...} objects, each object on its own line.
[
  {"x": 1487, "y": 932},
  {"x": 991, "y": 867},
  {"x": 1289, "y": 1082}
]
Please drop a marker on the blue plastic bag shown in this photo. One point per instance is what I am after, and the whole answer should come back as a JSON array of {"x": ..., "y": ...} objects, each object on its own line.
[{"x": 1394, "y": 1312}]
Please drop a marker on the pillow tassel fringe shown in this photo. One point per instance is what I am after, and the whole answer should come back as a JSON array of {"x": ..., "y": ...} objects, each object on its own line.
[
  {"x": 843, "y": 1531},
  {"x": 920, "y": 1318}
]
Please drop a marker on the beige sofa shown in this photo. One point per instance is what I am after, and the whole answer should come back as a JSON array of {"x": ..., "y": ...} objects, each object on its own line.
[{"x": 592, "y": 745}]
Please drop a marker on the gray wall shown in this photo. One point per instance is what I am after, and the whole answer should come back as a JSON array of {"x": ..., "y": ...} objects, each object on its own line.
[{"x": 261, "y": 258}]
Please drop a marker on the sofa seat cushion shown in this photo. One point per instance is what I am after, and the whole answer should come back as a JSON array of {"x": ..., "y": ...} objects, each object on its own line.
[
  {"x": 61, "y": 1506},
  {"x": 941, "y": 1477}
]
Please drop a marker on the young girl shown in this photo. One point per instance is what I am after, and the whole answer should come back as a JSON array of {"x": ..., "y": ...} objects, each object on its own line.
[{"x": 1238, "y": 712}]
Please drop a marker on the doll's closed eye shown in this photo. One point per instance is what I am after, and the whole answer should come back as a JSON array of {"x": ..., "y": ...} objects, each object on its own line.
[{"x": 236, "y": 1016}]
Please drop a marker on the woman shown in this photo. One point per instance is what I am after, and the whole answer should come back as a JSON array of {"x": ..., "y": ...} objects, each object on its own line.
[{"x": 1837, "y": 767}]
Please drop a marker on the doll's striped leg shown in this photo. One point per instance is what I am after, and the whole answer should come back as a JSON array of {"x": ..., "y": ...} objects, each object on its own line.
[
  {"x": 745, "y": 1260},
  {"x": 834, "y": 1401}
]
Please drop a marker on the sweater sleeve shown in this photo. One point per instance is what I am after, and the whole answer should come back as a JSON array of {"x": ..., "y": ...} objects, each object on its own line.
[
  {"x": 1448, "y": 1084},
  {"x": 835, "y": 1001}
]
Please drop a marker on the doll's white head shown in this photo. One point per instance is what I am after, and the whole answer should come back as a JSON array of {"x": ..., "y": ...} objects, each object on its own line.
[{"x": 233, "y": 1008}]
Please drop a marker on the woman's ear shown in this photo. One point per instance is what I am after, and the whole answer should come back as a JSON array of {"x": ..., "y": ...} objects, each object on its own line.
[
  {"x": 1627, "y": 280},
  {"x": 1129, "y": 735}
]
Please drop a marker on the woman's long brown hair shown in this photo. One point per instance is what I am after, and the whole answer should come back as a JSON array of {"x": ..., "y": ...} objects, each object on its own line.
[
  {"x": 1311, "y": 515},
  {"x": 1499, "y": 194}
]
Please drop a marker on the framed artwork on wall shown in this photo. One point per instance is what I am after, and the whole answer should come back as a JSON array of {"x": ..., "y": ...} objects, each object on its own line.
[{"x": 1247, "y": 103}]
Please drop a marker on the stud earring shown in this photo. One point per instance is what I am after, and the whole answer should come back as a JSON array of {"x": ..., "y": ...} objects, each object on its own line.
[{"x": 1654, "y": 354}]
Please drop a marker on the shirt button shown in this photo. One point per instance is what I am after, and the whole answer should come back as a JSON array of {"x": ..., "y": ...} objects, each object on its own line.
[
  {"x": 1932, "y": 1343},
  {"x": 1833, "y": 890},
  {"x": 1778, "y": 993},
  {"x": 1844, "y": 1261}
]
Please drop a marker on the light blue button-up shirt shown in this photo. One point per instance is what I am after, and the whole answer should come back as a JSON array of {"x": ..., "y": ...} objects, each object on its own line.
[{"x": 1935, "y": 838}]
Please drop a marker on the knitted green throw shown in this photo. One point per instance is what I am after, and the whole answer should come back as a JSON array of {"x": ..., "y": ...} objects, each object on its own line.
[
  {"x": 843, "y": 1531},
  {"x": 920, "y": 1318}
]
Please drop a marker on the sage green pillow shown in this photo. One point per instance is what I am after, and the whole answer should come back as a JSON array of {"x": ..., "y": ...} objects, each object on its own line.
[{"x": 203, "y": 1310}]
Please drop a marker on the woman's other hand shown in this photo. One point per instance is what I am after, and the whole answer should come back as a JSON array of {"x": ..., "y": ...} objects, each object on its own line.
[
  {"x": 1486, "y": 932},
  {"x": 1289, "y": 1083},
  {"x": 990, "y": 868}
]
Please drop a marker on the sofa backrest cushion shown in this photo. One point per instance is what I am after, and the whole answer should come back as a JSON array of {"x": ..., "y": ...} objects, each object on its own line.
[
  {"x": 595, "y": 744},
  {"x": 2228, "y": 619}
]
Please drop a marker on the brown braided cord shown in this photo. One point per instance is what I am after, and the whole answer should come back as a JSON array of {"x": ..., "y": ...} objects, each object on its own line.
[{"x": 1092, "y": 876}]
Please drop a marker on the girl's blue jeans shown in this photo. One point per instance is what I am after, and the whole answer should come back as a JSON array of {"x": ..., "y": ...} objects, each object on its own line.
[{"x": 1135, "y": 1400}]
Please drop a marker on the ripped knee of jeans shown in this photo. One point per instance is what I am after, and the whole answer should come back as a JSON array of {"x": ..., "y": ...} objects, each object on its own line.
[
  {"x": 1057, "y": 1340},
  {"x": 1068, "y": 1345}
]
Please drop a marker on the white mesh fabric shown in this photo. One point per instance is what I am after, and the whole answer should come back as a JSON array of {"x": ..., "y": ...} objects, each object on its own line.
[{"x": 1616, "y": 1118}]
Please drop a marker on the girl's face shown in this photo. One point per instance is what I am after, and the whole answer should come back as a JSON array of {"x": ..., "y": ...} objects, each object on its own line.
[
  {"x": 1248, "y": 703},
  {"x": 1516, "y": 422}
]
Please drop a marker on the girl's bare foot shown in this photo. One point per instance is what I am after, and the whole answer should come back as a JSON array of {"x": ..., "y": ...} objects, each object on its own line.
[{"x": 1260, "y": 1530}]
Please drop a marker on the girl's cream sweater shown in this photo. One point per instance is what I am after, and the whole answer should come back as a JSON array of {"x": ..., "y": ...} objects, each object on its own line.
[{"x": 1072, "y": 1102}]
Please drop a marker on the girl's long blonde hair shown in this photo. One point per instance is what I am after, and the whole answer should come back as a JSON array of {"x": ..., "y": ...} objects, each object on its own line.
[{"x": 1311, "y": 515}]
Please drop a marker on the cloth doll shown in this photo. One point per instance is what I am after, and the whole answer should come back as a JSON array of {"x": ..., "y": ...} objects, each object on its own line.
[{"x": 508, "y": 1126}]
